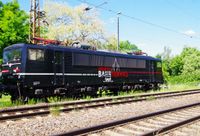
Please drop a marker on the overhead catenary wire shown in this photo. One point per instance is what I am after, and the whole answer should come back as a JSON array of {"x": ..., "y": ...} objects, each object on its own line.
[
  {"x": 140, "y": 20},
  {"x": 181, "y": 9}
]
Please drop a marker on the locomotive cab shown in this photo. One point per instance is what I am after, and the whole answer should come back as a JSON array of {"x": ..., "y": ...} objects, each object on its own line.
[
  {"x": 11, "y": 61},
  {"x": 12, "y": 64}
]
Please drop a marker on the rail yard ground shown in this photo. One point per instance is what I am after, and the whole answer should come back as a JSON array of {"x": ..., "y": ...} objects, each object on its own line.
[{"x": 62, "y": 122}]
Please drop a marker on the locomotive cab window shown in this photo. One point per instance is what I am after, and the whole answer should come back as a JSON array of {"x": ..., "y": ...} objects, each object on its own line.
[
  {"x": 36, "y": 54},
  {"x": 13, "y": 55}
]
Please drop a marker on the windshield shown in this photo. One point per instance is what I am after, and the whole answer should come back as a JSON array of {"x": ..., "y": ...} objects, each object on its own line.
[{"x": 12, "y": 55}]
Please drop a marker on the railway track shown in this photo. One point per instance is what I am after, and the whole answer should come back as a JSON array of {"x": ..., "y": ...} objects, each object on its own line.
[
  {"x": 41, "y": 110},
  {"x": 190, "y": 129},
  {"x": 149, "y": 124}
]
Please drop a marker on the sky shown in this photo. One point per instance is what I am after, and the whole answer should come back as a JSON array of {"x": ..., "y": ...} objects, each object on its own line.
[{"x": 159, "y": 23}]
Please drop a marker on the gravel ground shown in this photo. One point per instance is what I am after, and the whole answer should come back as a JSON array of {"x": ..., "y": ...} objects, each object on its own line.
[{"x": 52, "y": 124}]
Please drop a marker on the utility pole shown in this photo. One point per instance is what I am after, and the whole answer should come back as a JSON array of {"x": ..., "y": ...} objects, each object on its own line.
[
  {"x": 118, "y": 30},
  {"x": 34, "y": 20}
]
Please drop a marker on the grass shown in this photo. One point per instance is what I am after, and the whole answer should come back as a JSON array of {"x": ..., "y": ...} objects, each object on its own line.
[
  {"x": 54, "y": 99},
  {"x": 170, "y": 87},
  {"x": 5, "y": 101},
  {"x": 88, "y": 98},
  {"x": 55, "y": 111},
  {"x": 180, "y": 87}
]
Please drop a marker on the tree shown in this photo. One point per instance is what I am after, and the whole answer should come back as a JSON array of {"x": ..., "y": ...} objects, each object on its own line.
[
  {"x": 191, "y": 60},
  {"x": 73, "y": 24},
  {"x": 188, "y": 61},
  {"x": 110, "y": 44},
  {"x": 166, "y": 59},
  {"x": 13, "y": 24},
  {"x": 183, "y": 67},
  {"x": 191, "y": 63},
  {"x": 126, "y": 46},
  {"x": 187, "y": 51},
  {"x": 176, "y": 66}
]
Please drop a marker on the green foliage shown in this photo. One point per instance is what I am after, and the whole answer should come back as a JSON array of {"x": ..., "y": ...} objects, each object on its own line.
[
  {"x": 126, "y": 46},
  {"x": 158, "y": 56},
  {"x": 165, "y": 70},
  {"x": 111, "y": 43},
  {"x": 182, "y": 68},
  {"x": 55, "y": 111},
  {"x": 176, "y": 66},
  {"x": 191, "y": 63},
  {"x": 13, "y": 24},
  {"x": 185, "y": 78},
  {"x": 5, "y": 102}
]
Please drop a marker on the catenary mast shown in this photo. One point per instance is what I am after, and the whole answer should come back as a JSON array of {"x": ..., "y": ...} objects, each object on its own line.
[{"x": 34, "y": 20}]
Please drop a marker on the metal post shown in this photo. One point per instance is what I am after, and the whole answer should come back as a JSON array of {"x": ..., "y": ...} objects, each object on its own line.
[
  {"x": 34, "y": 20},
  {"x": 38, "y": 18},
  {"x": 30, "y": 21},
  {"x": 118, "y": 30},
  {"x": 117, "y": 33}
]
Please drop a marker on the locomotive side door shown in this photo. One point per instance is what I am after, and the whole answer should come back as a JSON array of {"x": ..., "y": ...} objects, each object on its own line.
[
  {"x": 58, "y": 68},
  {"x": 152, "y": 71}
]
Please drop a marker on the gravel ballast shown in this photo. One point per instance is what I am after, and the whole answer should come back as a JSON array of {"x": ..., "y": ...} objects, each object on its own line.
[{"x": 52, "y": 124}]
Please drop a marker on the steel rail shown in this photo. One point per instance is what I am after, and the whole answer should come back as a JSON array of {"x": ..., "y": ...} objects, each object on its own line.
[{"x": 172, "y": 126}]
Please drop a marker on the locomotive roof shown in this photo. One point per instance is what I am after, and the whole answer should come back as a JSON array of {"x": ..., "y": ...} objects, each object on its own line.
[{"x": 72, "y": 49}]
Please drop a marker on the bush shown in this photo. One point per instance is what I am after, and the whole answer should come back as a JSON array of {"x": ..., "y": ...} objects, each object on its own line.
[{"x": 185, "y": 78}]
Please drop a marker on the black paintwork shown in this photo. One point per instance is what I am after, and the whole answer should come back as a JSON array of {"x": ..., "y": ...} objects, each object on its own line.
[{"x": 59, "y": 60}]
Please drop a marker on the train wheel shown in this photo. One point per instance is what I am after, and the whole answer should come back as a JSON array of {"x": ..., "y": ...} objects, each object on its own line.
[
  {"x": 114, "y": 91},
  {"x": 14, "y": 96},
  {"x": 156, "y": 87},
  {"x": 94, "y": 92},
  {"x": 25, "y": 99}
]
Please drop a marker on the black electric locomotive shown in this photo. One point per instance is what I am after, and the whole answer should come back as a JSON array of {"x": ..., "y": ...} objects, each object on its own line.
[{"x": 35, "y": 70}]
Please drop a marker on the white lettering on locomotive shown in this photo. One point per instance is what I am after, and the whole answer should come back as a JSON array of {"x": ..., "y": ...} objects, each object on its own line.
[{"x": 106, "y": 75}]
